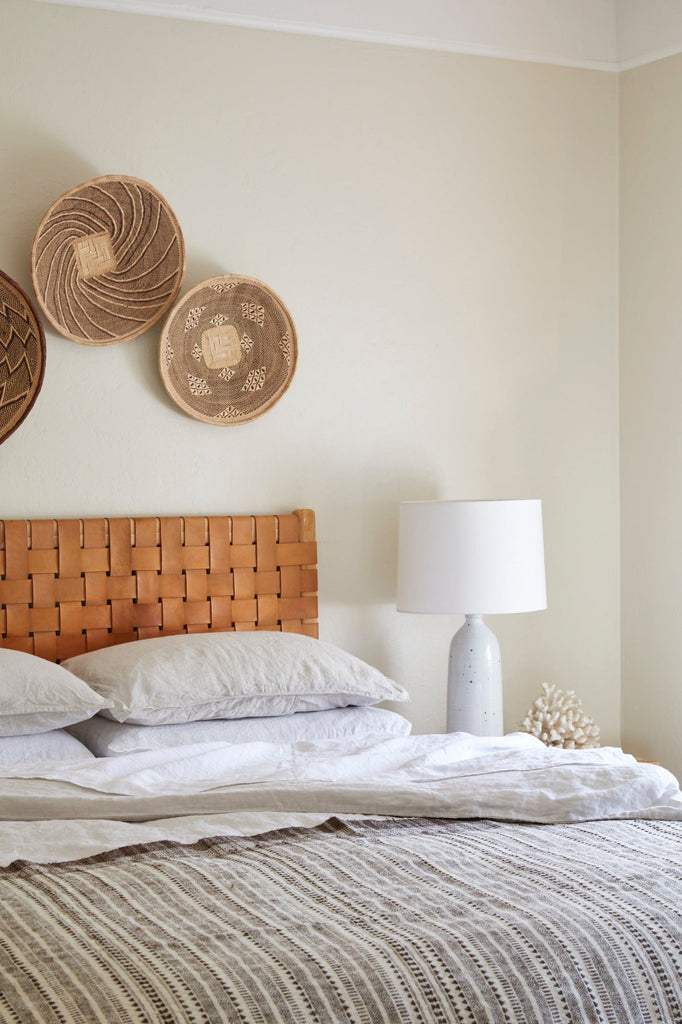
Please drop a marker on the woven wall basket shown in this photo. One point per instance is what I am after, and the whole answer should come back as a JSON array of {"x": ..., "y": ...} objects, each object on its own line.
[
  {"x": 108, "y": 260},
  {"x": 22, "y": 356},
  {"x": 228, "y": 350}
]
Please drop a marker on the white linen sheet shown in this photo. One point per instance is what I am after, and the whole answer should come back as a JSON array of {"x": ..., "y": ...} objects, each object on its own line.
[{"x": 61, "y": 812}]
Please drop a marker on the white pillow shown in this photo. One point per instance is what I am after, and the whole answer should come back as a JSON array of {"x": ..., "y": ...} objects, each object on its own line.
[
  {"x": 106, "y": 739},
  {"x": 56, "y": 745},
  {"x": 37, "y": 695},
  {"x": 255, "y": 674}
]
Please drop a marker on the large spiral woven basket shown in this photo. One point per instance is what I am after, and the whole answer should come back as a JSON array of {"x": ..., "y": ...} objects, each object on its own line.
[{"x": 107, "y": 260}]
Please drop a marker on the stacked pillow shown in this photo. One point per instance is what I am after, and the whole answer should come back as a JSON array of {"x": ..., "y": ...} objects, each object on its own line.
[
  {"x": 106, "y": 738},
  {"x": 55, "y": 745},
  {"x": 37, "y": 700},
  {"x": 231, "y": 687}
]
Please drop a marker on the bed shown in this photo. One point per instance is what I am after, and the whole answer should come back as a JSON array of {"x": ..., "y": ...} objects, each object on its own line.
[{"x": 211, "y": 815}]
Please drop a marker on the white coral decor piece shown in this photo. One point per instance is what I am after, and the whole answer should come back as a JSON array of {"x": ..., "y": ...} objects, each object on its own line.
[{"x": 557, "y": 718}]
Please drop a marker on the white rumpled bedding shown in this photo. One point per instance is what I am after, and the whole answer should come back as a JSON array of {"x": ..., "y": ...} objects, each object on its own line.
[{"x": 66, "y": 811}]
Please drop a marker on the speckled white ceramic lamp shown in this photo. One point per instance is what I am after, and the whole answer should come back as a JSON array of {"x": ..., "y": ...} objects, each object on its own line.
[{"x": 472, "y": 558}]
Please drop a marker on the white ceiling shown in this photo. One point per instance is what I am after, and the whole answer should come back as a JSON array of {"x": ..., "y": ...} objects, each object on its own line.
[{"x": 604, "y": 34}]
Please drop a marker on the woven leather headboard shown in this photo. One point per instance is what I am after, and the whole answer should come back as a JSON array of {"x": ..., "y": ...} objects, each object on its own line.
[{"x": 73, "y": 585}]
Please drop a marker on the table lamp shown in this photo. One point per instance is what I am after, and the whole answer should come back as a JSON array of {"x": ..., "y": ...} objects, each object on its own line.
[{"x": 472, "y": 558}]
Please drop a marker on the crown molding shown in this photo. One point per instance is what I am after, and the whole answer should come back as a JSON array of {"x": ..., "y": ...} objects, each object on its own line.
[
  {"x": 648, "y": 58},
  {"x": 450, "y": 41}
]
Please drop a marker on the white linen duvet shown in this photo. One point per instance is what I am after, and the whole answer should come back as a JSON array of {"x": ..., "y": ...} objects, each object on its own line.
[{"x": 70, "y": 810}]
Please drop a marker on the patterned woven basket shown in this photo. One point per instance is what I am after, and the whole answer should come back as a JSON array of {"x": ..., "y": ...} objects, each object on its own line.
[
  {"x": 22, "y": 355},
  {"x": 228, "y": 350},
  {"x": 108, "y": 260}
]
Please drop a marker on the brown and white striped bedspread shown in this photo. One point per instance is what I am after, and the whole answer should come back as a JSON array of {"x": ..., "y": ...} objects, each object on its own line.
[{"x": 410, "y": 921}]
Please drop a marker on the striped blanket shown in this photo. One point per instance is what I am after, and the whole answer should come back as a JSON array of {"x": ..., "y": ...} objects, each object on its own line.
[{"x": 413, "y": 920}]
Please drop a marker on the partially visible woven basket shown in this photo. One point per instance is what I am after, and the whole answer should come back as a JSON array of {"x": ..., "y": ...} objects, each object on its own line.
[
  {"x": 228, "y": 350},
  {"x": 108, "y": 260},
  {"x": 22, "y": 355}
]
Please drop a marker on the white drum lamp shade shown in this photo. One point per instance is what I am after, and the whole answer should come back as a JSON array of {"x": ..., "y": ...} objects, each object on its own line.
[{"x": 472, "y": 558}]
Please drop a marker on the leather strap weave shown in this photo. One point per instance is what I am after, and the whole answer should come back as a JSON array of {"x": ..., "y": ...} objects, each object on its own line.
[{"x": 74, "y": 585}]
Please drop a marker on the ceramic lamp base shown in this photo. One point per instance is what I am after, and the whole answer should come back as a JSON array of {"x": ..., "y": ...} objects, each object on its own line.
[{"x": 475, "y": 681}]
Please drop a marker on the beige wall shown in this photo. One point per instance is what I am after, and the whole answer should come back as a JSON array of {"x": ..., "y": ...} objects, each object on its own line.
[
  {"x": 651, "y": 413},
  {"x": 443, "y": 229}
]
